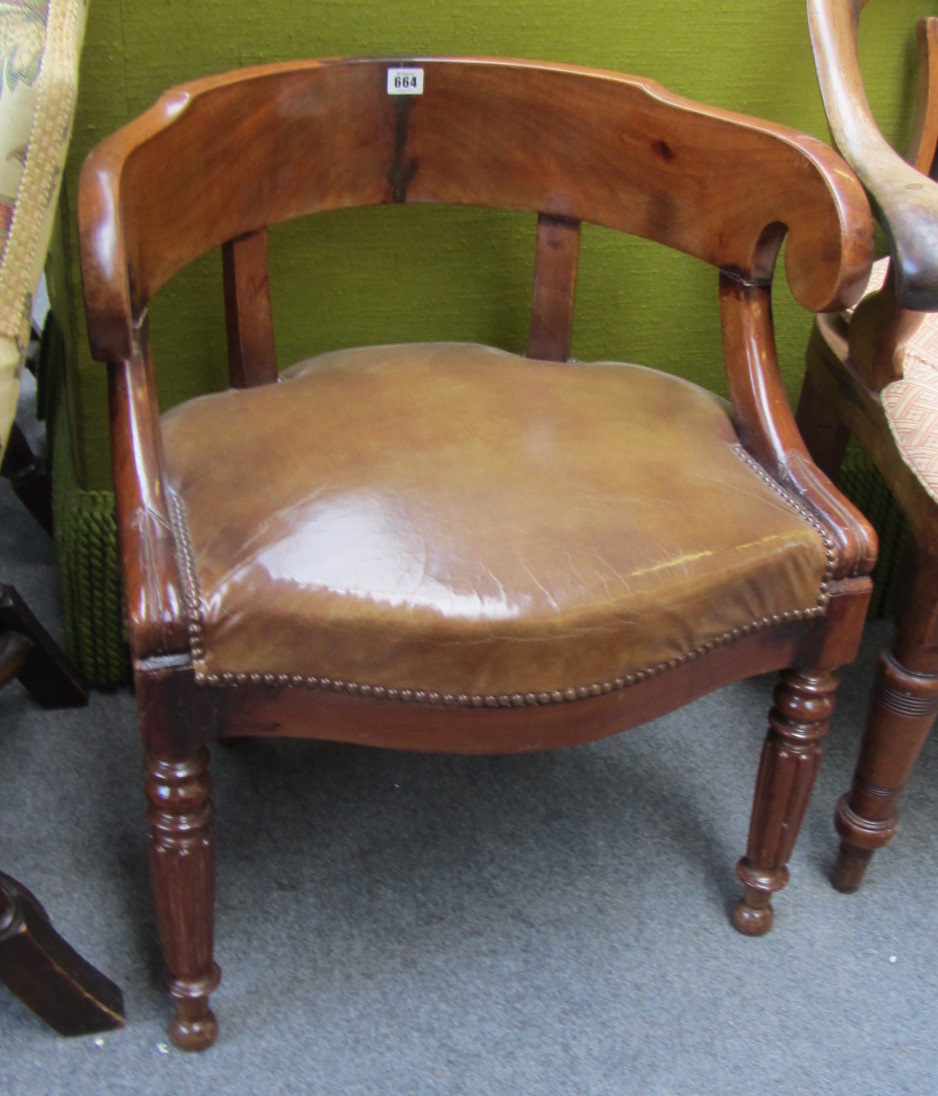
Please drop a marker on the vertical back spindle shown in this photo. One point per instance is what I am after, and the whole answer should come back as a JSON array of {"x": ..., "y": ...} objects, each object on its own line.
[
  {"x": 555, "y": 267},
  {"x": 252, "y": 358}
]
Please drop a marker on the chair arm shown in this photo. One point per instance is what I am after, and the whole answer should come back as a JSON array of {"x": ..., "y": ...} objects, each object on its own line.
[
  {"x": 766, "y": 426},
  {"x": 905, "y": 201},
  {"x": 156, "y": 609}
]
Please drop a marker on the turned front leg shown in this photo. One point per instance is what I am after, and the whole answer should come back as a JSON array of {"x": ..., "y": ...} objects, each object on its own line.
[
  {"x": 902, "y": 713},
  {"x": 182, "y": 866},
  {"x": 798, "y": 721}
]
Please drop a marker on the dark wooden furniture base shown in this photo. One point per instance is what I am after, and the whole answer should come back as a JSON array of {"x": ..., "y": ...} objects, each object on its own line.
[
  {"x": 36, "y": 963},
  {"x": 29, "y": 653},
  {"x": 28, "y": 477},
  {"x": 47, "y": 974}
]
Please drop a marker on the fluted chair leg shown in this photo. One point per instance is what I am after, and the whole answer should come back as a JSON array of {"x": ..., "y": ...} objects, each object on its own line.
[
  {"x": 798, "y": 721},
  {"x": 182, "y": 866}
]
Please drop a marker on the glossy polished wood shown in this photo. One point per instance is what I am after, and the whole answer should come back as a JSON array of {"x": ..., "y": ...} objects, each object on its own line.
[
  {"x": 631, "y": 173},
  {"x": 182, "y": 862},
  {"x": 555, "y": 270},
  {"x": 848, "y": 366},
  {"x": 235, "y": 153},
  {"x": 905, "y": 206},
  {"x": 252, "y": 356},
  {"x": 792, "y": 753}
]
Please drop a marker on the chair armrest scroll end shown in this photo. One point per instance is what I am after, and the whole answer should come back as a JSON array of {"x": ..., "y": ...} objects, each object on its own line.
[{"x": 855, "y": 541}]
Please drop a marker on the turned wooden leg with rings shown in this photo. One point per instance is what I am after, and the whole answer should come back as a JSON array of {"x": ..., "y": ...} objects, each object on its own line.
[
  {"x": 902, "y": 713},
  {"x": 798, "y": 721},
  {"x": 182, "y": 865}
]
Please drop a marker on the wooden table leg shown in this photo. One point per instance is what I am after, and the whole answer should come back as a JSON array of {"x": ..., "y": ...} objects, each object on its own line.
[{"x": 47, "y": 974}]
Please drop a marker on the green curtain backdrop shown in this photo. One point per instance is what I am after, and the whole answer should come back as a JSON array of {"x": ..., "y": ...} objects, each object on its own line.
[{"x": 411, "y": 273}]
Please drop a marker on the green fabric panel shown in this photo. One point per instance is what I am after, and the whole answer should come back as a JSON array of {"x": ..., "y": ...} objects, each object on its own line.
[
  {"x": 86, "y": 549},
  {"x": 85, "y": 537},
  {"x": 414, "y": 273}
]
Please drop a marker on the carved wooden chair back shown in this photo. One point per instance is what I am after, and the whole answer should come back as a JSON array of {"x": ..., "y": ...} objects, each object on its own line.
[
  {"x": 437, "y": 663},
  {"x": 873, "y": 374}
]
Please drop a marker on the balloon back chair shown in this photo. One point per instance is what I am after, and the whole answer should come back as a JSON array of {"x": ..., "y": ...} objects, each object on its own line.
[
  {"x": 872, "y": 373},
  {"x": 449, "y": 547}
]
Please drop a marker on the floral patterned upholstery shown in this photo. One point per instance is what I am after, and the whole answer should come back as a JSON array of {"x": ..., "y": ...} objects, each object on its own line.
[{"x": 40, "y": 42}]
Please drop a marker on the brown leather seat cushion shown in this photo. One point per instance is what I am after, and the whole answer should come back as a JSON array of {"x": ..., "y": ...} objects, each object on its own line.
[{"x": 457, "y": 523}]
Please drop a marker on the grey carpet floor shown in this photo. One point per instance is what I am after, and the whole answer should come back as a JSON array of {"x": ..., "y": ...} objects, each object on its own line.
[{"x": 395, "y": 924}]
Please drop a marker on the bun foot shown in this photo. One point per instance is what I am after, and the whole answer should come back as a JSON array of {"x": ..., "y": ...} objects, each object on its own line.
[
  {"x": 194, "y": 1026},
  {"x": 752, "y": 922},
  {"x": 194, "y": 1034}
]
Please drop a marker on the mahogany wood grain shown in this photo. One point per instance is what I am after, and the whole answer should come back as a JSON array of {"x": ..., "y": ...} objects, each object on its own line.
[
  {"x": 923, "y": 143},
  {"x": 879, "y": 330},
  {"x": 252, "y": 356},
  {"x": 555, "y": 270},
  {"x": 583, "y": 145},
  {"x": 903, "y": 710},
  {"x": 907, "y": 205},
  {"x": 152, "y": 577},
  {"x": 182, "y": 868},
  {"x": 905, "y": 202},
  {"x": 178, "y": 713},
  {"x": 216, "y": 161},
  {"x": 767, "y": 427},
  {"x": 901, "y": 717},
  {"x": 798, "y": 722}
]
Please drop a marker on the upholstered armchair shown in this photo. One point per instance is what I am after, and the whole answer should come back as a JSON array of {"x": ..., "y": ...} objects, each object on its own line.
[
  {"x": 40, "y": 43},
  {"x": 872, "y": 373},
  {"x": 452, "y": 547}
]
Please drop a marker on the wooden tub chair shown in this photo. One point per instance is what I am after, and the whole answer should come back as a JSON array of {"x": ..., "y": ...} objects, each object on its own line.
[{"x": 449, "y": 547}]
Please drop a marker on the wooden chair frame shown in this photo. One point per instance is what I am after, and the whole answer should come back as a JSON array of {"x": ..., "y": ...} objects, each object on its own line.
[
  {"x": 848, "y": 369},
  {"x": 570, "y": 145}
]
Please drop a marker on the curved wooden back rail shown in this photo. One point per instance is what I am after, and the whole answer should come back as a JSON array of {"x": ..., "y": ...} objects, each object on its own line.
[
  {"x": 215, "y": 162},
  {"x": 906, "y": 205},
  {"x": 579, "y": 145}
]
